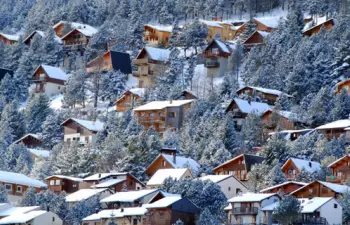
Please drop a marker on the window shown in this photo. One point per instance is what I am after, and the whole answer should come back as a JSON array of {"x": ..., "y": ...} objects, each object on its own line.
[
  {"x": 164, "y": 163},
  {"x": 311, "y": 190},
  {"x": 52, "y": 182},
  {"x": 19, "y": 189},
  {"x": 161, "y": 114},
  {"x": 229, "y": 188},
  {"x": 151, "y": 114},
  {"x": 335, "y": 206},
  {"x": 215, "y": 51},
  {"x": 78, "y": 138},
  {"x": 8, "y": 187},
  {"x": 58, "y": 182},
  {"x": 53, "y": 219},
  {"x": 230, "y": 172},
  {"x": 171, "y": 114},
  {"x": 78, "y": 130},
  {"x": 131, "y": 183},
  {"x": 74, "y": 185},
  {"x": 243, "y": 162},
  {"x": 59, "y": 87},
  {"x": 238, "y": 191},
  {"x": 134, "y": 222}
]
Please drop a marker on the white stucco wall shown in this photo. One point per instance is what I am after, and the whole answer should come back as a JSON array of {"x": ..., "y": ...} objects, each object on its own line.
[
  {"x": 229, "y": 187},
  {"x": 78, "y": 135},
  {"x": 48, "y": 218},
  {"x": 333, "y": 215}
]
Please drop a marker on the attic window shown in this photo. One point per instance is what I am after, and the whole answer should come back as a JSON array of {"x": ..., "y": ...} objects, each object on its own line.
[
  {"x": 164, "y": 163},
  {"x": 335, "y": 206},
  {"x": 215, "y": 51}
]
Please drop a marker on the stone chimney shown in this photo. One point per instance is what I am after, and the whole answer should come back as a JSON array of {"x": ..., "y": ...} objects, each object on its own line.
[{"x": 310, "y": 164}]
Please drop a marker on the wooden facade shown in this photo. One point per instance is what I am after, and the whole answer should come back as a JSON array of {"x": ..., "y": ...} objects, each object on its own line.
[
  {"x": 128, "y": 181},
  {"x": 273, "y": 120},
  {"x": 238, "y": 166},
  {"x": 315, "y": 189},
  {"x": 285, "y": 188},
  {"x": 340, "y": 170},
  {"x": 6, "y": 40},
  {"x": 59, "y": 29},
  {"x": 58, "y": 184},
  {"x": 183, "y": 210},
  {"x": 40, "y": 79},
  {"x": 168, "y": 117},
  {"x": 343, "y": 85},
  {"x": 316, "y": 29},
  {"x": 156, "y": 36},
  {"x": 75, "y": 40},
  {"x": 74, "y": 130},
  {"x": 160, "y": 163},
  {"x": 268, "y": 97},
  {"x": 101, "y": 63},
  {"x": 30, "y": 141},
  {"x": 290, "y": 170},
  {"x": 256, "y": 39},
  {"x": 128, "y": 101}
]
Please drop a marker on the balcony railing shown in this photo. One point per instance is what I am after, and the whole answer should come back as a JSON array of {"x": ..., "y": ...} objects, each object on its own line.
[
  {"x": 311, "y": 221},
  {"x": 337, "y": 179},
  {"x": 142, "y": 73},
  {"x": 245, "y": 210}
]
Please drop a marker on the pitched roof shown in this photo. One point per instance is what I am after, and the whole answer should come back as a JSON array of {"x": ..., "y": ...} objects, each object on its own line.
[
  {"x": 129, "y": 196},
  {"x": 42, "y": 34},
  {"x": 161, "y": 27},
  {"x": 12, "y": 210},
  {"x": 181, "y": 162},
  {"x": 211, "y": 23},
  {"x": 101, "y": 176},
  {"x": 85, "y": 29},
  {"x": 265, "y": 90},
  {"x": 283, "y": 184},
  {"x": 249, "y": 107},
  {"x": 83, "y": 194},
  {"x": 21, "y": 179},
  {"x": 10, "y": 36},
  {"x": 39, "y": 153},
  {"x": 215, "y": 178},
  {"x": 75, "y": 179},
  {"x": 117, "y": 213},
  {"x": 108, "y": 183},
  {"x": 4, "y": 71},
  {"x": 164, "y": 202},
  {"x": 321, "y": 21},
  {"x": 339, "y": 124},
  {"x": 54, "y": 72},
  {"x": 22, "y": 217},
  {"x": 309, "y": 166},
  {"x": 121, "y": 61},
  {"x": 271, "y": 21},
  {"x": 157, "y": 105},
  {"x": 90, "y": 125},
  {"x": 338, "y": 160},
  {"x": 311, "y": 205},
  {"x": 251, "y": 197},
  {"x": 157, "y": 54},
  {"x": 337, "y": 188},
  {"x": 250, "y": 160},
  {"x": 159, "y": 177},
  {"x": 35, "y": 136}
]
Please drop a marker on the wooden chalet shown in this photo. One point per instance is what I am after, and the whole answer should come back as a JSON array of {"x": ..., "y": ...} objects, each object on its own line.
[
  {"x": 130, "y": 99},
  {"x": 30, "y": 140},
  {"x": 158, "y": 179},
  {"x": 111, "y": 60},
  {"x": 114, "y": 181},
  {"x": 281, "y": 120},
  {"x": 157, "y": 34},
  {"x": 150, "y": 62},
  {"x": 163, "y": 115},
  {"x": 17, "y": 184},
  {"x": 42, "y": 34},
  {"x": 187, "y": 95},
  {"x": 168, "y": 210},
  {"x": 320, "y": 189},
  {"x": 239, "y": 109},
  {"x": 309, "y": 31},
  {"x": 256, "y": 39},
  {"x": 82, "y": 131},
  {"x": 49, "y": 80},
  {"x": 266, "y": 24},
  {"x": 4, "y": 71},
  {"x": 8, "y": 39},
  {"x": 340, "y": 170},
  {"x": 216, "y": 54},
  {"x": 59, "y": 183},
  {"x": 345, "y": 84},
  {"x": 169, "y": 160},
  {"x": 335, "y": 129},
  {"x": 286, "y": 187},
  {"x": 225, "y": 30},
  {"x": 292, "y": 135},
  {"x": 293, "y": 166},
  {"x": 78, "y": 38},
  {"x": 238, "y": 166},
  {"x": 269, "y": 96}
]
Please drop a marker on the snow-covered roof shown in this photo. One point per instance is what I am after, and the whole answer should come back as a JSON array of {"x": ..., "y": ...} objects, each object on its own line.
[
  {"x": 101, "y": 176},
  {"x": 21, "y": 179},
  {"x": 222, "y": 46},
  {"x": 75, "y": 179},
  {"x": 309, "y": 166},
  {"x": 40, "y": 153},
  {"x": 211, "y": 23},
  {"x": 320, "y": 20},
  {"x": 54, "y": 72},
  {"x": 271, "y": 22},
  {"x": 338, "y": 188},
  {"x": 17, "y": 210},
  {"x": 181, "y": 162},
  {"x": 10, "y": 37},
  {"x": 108, "y": 183},
  {"x": 129, "y": 196},
  {"x": 339, "y": 124},
  {"x": 83, "y": 194},
  {"x": 228, "y": 208},
  {"x": 164, "y": 202},
  {"x": 215, "y": 178},
  {"x": 36, "y": 136},
  {"x": 282, "y": 184},
  {"x": 338, "y": 160},
  {"x": 263, "y": 33},
  {"x": 311, "y": 205},
  {"x": 157, "y": 105},
  {"x": 22, "y": 217},
  {"x": 90, "y": 125},
  {"x": 43, "y": 35},
  {"x": 85, "y": 29},
  {"x": 162, "y": 174},
  {"x": 158, "y": 54},
  {"x": 266, "y": 91},
  {"x": 138, "y": 91},
  {"x": 251, "y": 107},
  {"x": 270, "y": 207},
  {"x": 250, "y": 197},
  {"x": 161, "y": 27},
  {"x": 117, "y": 213}
]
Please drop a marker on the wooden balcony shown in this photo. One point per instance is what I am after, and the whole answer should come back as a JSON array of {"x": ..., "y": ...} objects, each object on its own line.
[
  {"x": 140, "y": 61},
  {"x": 151, "y": 119},
  {"x": 139, "y": 73},
  {"x": 337, "y": 179},
  {"x": 245, "y": 211},
  {"x": 73, "y": 46}
]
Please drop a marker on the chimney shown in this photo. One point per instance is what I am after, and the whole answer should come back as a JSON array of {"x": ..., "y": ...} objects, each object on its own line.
[
  {"x": 97, "y": 210},
  {"x": 174, "y": 157},
  {"x": 121, "y": 209},
  {"x": 48, "y": 208},
  {"x": 99, "y": 175},
  {"x": 310, "y": 164}
]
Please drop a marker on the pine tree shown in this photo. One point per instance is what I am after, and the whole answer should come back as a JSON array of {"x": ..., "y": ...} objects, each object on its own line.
[
  {"x": 19, "y": 159},
  {"x": 3, "y": 194},
  {"x": 76, "y": 89},
  {"x": 250, "y": 28},
  {"x": 8, "y": 88},
  {"x": 14, "y": 120},
  {"x": 113, "y": 85},
  {"x": 52, "y": 131},
  {"x": 288, "y": 210},
  {"x": 37, "y": 110},
  {"x": 29, "y": 198},
  {"x": 276, "y": 176}
]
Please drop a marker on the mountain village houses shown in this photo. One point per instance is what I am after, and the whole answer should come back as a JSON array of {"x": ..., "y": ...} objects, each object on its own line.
[
  {"x": 82, "y": 131},
  {"x": 8, "y": 39},
  {"x": 293, "y": 166}
]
